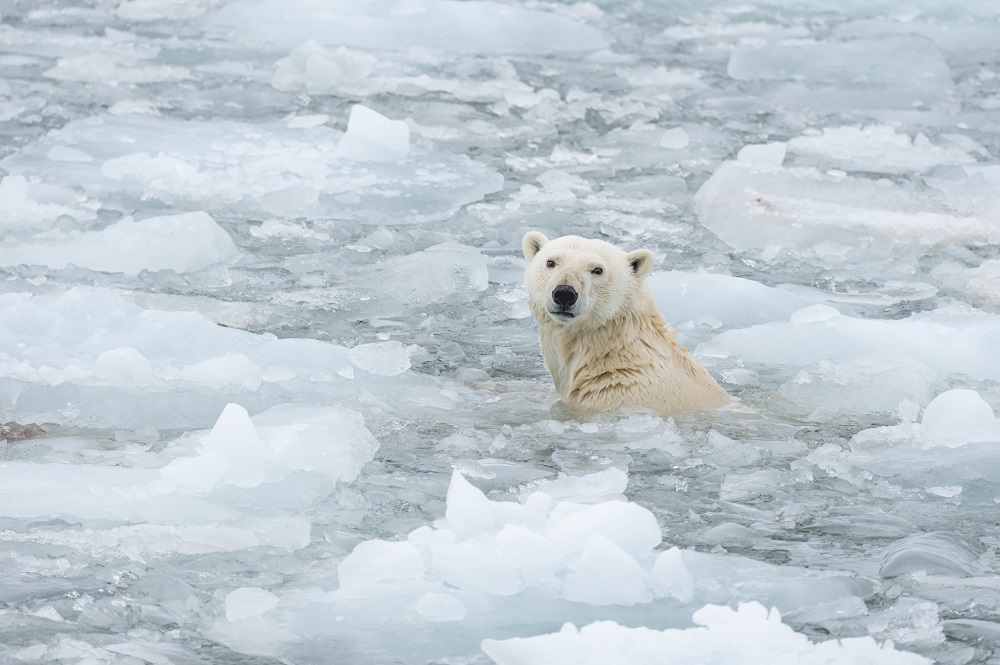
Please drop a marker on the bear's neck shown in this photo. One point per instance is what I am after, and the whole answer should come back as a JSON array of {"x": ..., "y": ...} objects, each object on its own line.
[{"x": 635, "y": 333}]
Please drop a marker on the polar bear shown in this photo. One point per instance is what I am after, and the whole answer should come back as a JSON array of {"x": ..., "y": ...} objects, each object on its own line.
[{"x": 602, "y": 338}]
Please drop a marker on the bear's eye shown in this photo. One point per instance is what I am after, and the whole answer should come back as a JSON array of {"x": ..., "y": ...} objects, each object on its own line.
[
  {"x": 598, "y": 271},
  {"x": 550, "y": 264}
]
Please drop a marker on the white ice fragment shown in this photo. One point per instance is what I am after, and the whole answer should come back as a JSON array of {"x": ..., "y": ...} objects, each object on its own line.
[
  {"x": 231, "y": 370},
  {"x": 476, "y": 566},
  {"x": 802, "y": 208},
  {"x": 959, "y": 416},
  {"x": 372, "y": 137},
  {"x": 124, "y": 366},
  {"x": 467, "y": 511},
  {"x": 247, "y": 602},
  {"x": 183, "y": 243},
  {"x": 534, "y": 556},
  {"x": 605, "y": 575},
  {"x": 813, "y": 314},
  {"x": 62, "y": 153},
  {"x": 375, "y": 561},
  {"x": 933, "y": 553},
  {"x": 900, "y": 61},
  {"x": 591, "y": 488},
  {"x": 763, "y": 155},
  {"x": 728, "y": 534},
  {"x": 331, "y": 442},
  {"x": 748, "y": 634},
  {"x": 945, "y": 491},
  {"x": 629, "y": 526},
  {"x": 734, "y": 301},
  {"x": 877, "y": 148},
  {"x": 674, "y": 139},
  {"x": 438, "y": 607},
  {"x": 320, "y": 70},
  {"x": 670, "y": 577},
  {"x": 306, "y": 121},
  {"x": 381, "y": 358},
  {"x": 482, "y": 27}
]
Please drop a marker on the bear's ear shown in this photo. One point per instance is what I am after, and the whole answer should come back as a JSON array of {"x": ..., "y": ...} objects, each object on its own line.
[
  {"x": 532, "y": 242},
  {"x": 641, "y": 262}
]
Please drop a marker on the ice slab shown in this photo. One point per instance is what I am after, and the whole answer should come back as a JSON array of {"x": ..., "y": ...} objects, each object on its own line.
[
  {"x": 721, "y": 300},
  {"x": 952, "y": 419},
  {"x": 371, "y": 137},
  {"x": 878, "y": 149},
  {"x": 281, "y": 459},
  {"x": 951, "y": 341},
  {"x": 124, "y": 366},
  {"x": 224, "y": 166},
  {"x": 26, "y": 206},
  {"x": 802, "y": 209},
  {"x": 890, "y": 61},
  {"x": 448, "y": 272},
  {"x": 939, "y": 553},
  {"x": 748, "y": 634},
  {"x": 501, "y": 565},
  {"x": 354, "y": 73},
  {"x": 397, "y": 25},
  {"x": 183, "y": 243}
]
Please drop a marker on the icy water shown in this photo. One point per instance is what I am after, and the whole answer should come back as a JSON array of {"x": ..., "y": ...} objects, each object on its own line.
[{"x": 292, "y": 401}]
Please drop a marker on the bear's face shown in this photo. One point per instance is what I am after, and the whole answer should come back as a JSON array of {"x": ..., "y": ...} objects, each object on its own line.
[{"x": 575, "y": 281}]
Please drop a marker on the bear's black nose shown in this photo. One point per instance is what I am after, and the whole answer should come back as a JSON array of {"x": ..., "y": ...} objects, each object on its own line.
[{"x": 564, "y": 295}]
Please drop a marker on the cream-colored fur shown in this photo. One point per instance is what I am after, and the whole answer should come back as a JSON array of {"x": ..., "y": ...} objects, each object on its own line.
[{"x": 611, "y": 347}]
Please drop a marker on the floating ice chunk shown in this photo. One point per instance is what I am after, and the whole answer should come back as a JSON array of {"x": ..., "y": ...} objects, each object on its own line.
[
  {"x": 269, "y": 167},
  {"x": 62, "y": 153},
  {"x": 814, "y": 314},
  {"x": 110, "y": 67},
  {"x": 749, "y": 634},
  {"x": 468, "y": 511},
  {"x": 329, "y": 441},
  {"x": 669, "y": 577},
  {"x": 320, "y": 70},
  {"x": 375, "y": 561},
  {"x": 857, "y": 385},
  {"x": 183, "y": 243},
  {"x": 124, "y": 366},
  {"x": 948, "y": 341},
  {"x": 877, "y": 148},
  {"x": 763, "y": 155},
  {"x": 247, "y": 602},
  {"x": 382, "y": 358},
  {"x": 958, "y": 416},
  {"x": 734, "y": 301},
  {"x": 140, "y": 542},
  {"x": 25, "y": 205},
  {"x": 478, "y": 567},
  {"x": 605, "y": 575},
  {"x": 674, "y": 139},
  {"x": 604, "y": 485},
  {"x": 306, "y": 121},
  {"x": 962, "y": 38},
  {"x": 158, "y": 10},
  {"x": 399, "y": 25},
  {"x": 233, "y": 369},
  {"x": 984, "y": 282},
  {"x": 627, "y": 525},
  {"x": 931, "y": 553},
  {"x": 800, "y": 208},
  {"x": 437, "y": 274},
  {"x": 905, "y": 61},
  {"x": 437, "y": 607},
  {"x": 371, "y": 137}
]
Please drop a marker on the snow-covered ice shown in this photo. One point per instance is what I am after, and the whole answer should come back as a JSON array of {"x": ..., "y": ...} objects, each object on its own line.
[{"x": 270, "y": 389}]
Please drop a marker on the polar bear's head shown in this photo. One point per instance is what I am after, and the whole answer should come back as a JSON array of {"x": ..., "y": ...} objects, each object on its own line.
[{"x": 576, "y": 281}]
